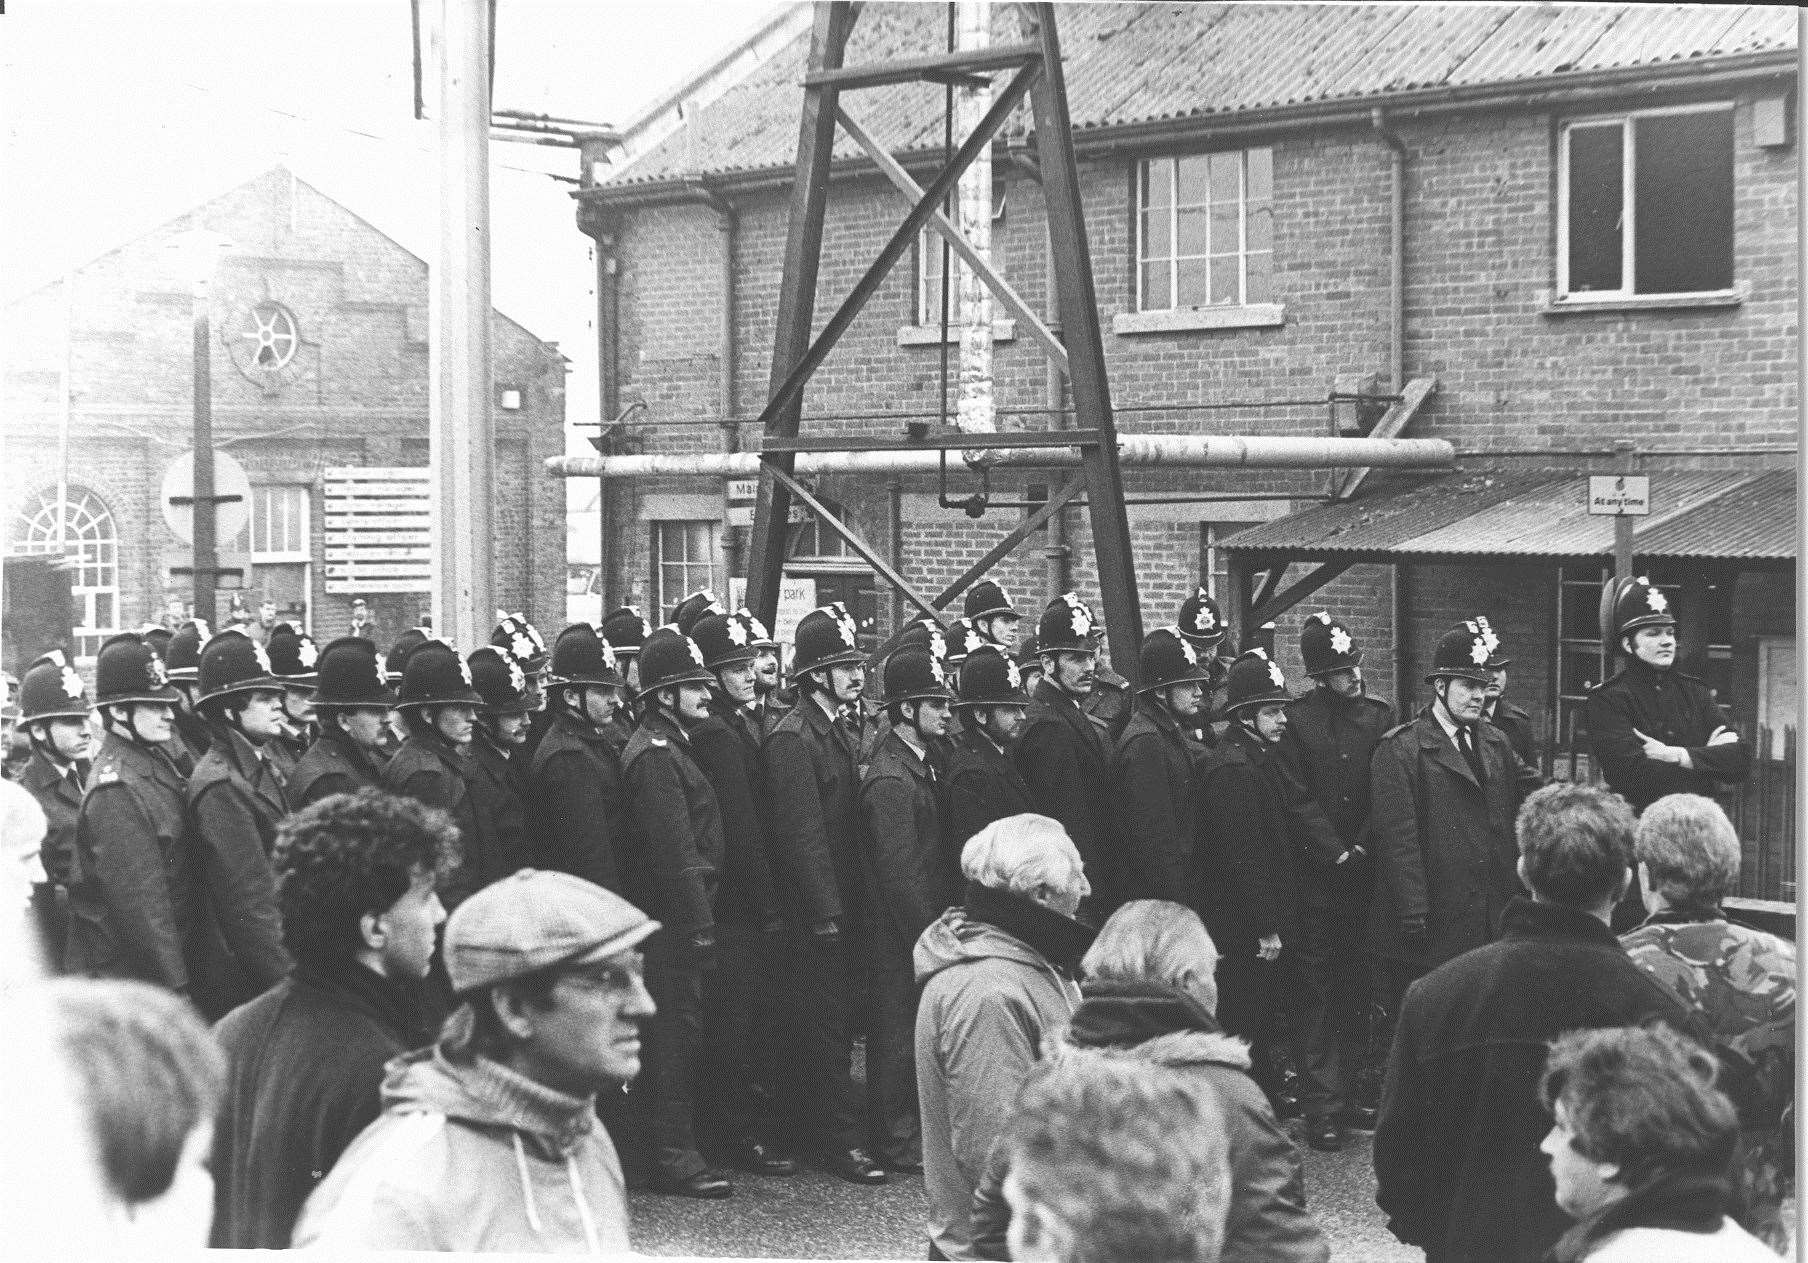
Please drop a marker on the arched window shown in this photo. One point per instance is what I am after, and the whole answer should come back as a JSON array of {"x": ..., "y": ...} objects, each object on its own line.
[{"x": 91, "y": 545}]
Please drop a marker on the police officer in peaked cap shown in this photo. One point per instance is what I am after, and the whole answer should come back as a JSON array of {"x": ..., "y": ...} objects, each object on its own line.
[
  {"x": 1332, "y": 731},
  {"x": 577, "y": 809},
  {"x": 672, "y": 873},
  {"x": 1152, "y": 769},
  {"x": 54, "y": 714},
  {"x": 988, "y": 610},
  {"x": 293, "y": 659},
  {"x": 132, "y": 897},
  {"x": 1201, "y": 621},
  {"x": 983, "y": 784},
  {"x": 437, "y": 705},
  {"x": 498, "y": 764},
  {"x": 1503, "y": 714},
  {"x": 236, "y": 799},
  {"x": 352, "y": 702},
  {"x": 627, "y": 630},
  {"x": 693, "y": 607},
  {"x": 522, "y": 641},
  {"x": 768, "y": 674},
  {"x": 812, "y": 779},
  {"x": 182, "y": 657},
  {"x": 1064, "y": 753}
]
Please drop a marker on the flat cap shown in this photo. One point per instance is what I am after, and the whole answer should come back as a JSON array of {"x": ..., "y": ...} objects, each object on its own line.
[{"x": 534, "y": 920}]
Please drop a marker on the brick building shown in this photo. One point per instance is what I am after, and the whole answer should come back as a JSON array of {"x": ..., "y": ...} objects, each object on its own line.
[
  {"x": 319, "y": 371},
  {"x": 1597, "y": 234}
]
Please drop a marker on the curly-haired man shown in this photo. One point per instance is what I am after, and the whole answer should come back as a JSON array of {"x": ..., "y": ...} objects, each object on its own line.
[{"x": 356, "y": 876}]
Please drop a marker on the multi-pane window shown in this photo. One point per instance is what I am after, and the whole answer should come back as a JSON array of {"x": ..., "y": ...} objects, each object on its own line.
[
  {"x": 1205, "y": 230},
  {"x": 279, "y": 523},
  {"x": 1645, "y": 204},
  {"x": 932, "y": 271},
  {"x": 686, "y": 557},
  {"x": 90, "y": 542}
]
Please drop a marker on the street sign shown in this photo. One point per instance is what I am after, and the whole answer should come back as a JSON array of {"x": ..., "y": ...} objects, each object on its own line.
[
  {"x": 1619, "y": 495},
  {"x": 741, "y": 493},
  {"x": 378, "y": 529},
  {"x": 229, "y": 479}
]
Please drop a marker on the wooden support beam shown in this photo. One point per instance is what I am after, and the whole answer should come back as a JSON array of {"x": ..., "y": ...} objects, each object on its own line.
[
  {"x": 1271, "y": 582},
  {"x": 1271, "y": 607},
  {"x": 916, "y": 69},
  {"x": 866, "y": 551},
  {"x": 1392, "y": 422},
  {"x": 1029, "y": 526}
]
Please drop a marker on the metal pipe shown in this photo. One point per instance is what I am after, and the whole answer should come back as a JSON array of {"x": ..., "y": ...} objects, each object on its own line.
[
  {"x": 1181, "y": 451},
  {"x": 206, "y": 511},
  {"x": 1396, "y": 269}
]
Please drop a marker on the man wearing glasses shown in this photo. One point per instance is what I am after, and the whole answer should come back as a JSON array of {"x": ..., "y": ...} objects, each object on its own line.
[{"x": 489, "y": 1139}]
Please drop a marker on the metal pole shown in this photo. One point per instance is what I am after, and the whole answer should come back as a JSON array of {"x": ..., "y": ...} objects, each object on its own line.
[
  {"x": 1622, "y": 522},
  {"x": 463, "y": 451},
  {"x": 205, "y": 555}
]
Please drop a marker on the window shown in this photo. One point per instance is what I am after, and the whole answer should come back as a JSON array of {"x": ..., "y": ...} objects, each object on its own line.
[
  {"x": 933, "y": 255},
  {"x": 279, "y": 524},
  {"x": 1205, "y": 230},
  {"x": 1646, "y": 204},
  {"x": 269, "y": 336},
  {"x": 686, "y": 557},
  {"x": 91, "y": 544}
]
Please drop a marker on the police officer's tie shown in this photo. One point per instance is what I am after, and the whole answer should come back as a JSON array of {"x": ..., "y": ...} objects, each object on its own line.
[{"x": 1465, "y": 740}]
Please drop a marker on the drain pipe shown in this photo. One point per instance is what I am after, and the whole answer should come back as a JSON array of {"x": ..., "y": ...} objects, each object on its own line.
[
  {"x": 734, "y": 542},
  {"x": 1396, "y": 249},
  {"x": 1057, "y": 556}
]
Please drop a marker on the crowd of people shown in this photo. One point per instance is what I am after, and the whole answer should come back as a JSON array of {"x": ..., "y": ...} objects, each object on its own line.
[{"x": 487, "y": 939}]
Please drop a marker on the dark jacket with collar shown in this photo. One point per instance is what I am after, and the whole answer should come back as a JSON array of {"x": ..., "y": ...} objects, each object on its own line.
[
  {"x": 1457, "y": 1164},
  {"x": 132, "y": 900},
  {"x": 286, "y": 748},
  {"x": 982, "y": 785},
  {"x": 811, "y": 783},
  {"x": 726, "y": 747},
  {"x": 1110, "y": 701},
  {"x": 190, "y": 741},
  {"x": 1243, "y": 875},
  {"x": 1155, "y": 793},
  {"x": 1674, "y": 708},
  {"x": 58, "y": 790},
  {"x": 1064, "y": 755},
  {"x": 431, "y": 769},
  {"x": 1521, "y": 734},
  {"x": 1329, "y": 743},
  {"x": 334, "y": 764},
  {"x": 498, "y": 789},
  {"x": 577, "y": 807},
  {"x": 676, "y": 847},
  {"x": 304, "y": 1073},
  {"x": 909, "y": 879},
  {"x": 235, "y": 802},
  {"x": 1445, "y": 850}
]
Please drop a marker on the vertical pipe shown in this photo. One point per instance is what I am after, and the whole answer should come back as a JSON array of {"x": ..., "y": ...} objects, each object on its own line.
[
  {"x": 974, "y": 407},
  {"x": 894, "y": 496},
  {"x": 462, "y": 426},
  {"x": 1396, "y": 278},
  {"x": 205, "y": 556},
  {"x": 608, "y": 339},
  {"x": 727, "y": 220},
  {"x": 1057, "y": 555}
]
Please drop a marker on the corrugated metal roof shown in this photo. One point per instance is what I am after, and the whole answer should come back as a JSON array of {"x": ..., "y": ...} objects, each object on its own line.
[
  {"x": 1135, "y": 63},
  {"x": 1544, "y": 513}
]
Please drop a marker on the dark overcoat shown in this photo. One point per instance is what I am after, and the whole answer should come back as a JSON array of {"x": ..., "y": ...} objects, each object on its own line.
[
  {"x": 727, "y": 749},
  {"x": 1064, "y": 755},
  {"x": 675, "y": 848},
  {"x": 577, "y": 807},
  {"x": 982, "y": 785},
  {"x": 811, "y": 784},
  {"x": 334, "y": 764},
  {"x": 909, "y": 881},
  {"x": 430, "y": 769},
  {"x": 1674, "y": 708},
  {"x": 1155, "y": 793}
]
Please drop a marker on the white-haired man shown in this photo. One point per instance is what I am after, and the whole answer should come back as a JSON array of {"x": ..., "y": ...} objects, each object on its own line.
[{"x": 996, "y": 975}]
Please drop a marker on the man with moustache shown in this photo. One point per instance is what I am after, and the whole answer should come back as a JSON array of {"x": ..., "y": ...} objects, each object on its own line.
[{"x": 353, "y": 704}]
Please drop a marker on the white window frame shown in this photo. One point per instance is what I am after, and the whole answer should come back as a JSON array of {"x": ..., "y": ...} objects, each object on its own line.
[
  {"x": 931, "y": 249},
  {"x": 1628, "y": 207},
  {"x": 91, "y": 541},
  {"x": 300, "y": 497},
  {"x": 709, "y": 567},
  {"x": 1242, "y": 253}
]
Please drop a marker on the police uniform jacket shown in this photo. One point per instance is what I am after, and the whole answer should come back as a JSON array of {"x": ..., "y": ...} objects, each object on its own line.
[
  {"x": 429, "y": 768},
  {"x": 727, "y": 750},
  {"x": 189, "y": 742},
  {"x": 235, "y": 801},
  {"x": 1243, "y": 873},
  {"x": 577, "y": 808},
  {"x": 810, "y": 787},
  {"x": 334, "y": 764},
  {"x": 1518, "y": 727},
  {"x": 1445, "y": 850},
  {"x": 909, "y": 880},
  {"x": 1328, "y": 745},
  {"x": 132, "y": 901},
  {"x": 58, "y": 790},
  {"x": 982, "y": 785},
  {"x": 1110, "y": 702},
  {"x": 497, "y": 791},
  {"x": 1155, "y": 790},
  {"x": 1065, "y": 758},
  {"x": 676, "y": 850},
  {"x": 1674, "y": 708},
  {"x": 286, "y": 748}
]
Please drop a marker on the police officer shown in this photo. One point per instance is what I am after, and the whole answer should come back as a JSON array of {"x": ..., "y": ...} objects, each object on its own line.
[
  {"x": 293, "y": 658},
  {"x": 626, "y": 631},
  {"x": 671, "y": 871},
  {"x": 811, "y": 783},
  {"x": 1504, "y": 715},
  {"x": 1154, "y": 770},
  {"x": 989, "y": 612},
  {"x": 1656, "y": 730},
  {"x": 1110, "y": 699},
  {"x": 1446, "y": 791},
  {"x": 741, "y": 1035},
  {"x": 1029, "y": 662},
  {"x": 183, "y": 661},
  {"x": 1202, "y": 623},
  {"x": 54, "y": 712},
  {"x": 909, "y": 882},
  {"x": 438, "y": 709},
  {"x": 522, "y": 641},
  {"x": 395, "y": 663},
  {"x": 352, "y": 701},
  {"x": 132, "y": 898},
  {"x": 577, "y": 809},
  {"x": 983, "y": 784},
  {"x": 497, "y": 770},
  {"x": 1064, "y": 753},
  {"x": 235, "y": 801},
  {"x": 1332, "y": 731},
  {"x": 768, "y": 677},
  {"x": 693, "y": 607}
]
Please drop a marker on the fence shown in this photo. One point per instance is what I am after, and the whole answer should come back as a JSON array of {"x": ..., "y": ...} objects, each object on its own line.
[{"x": 1762, "y": 808}]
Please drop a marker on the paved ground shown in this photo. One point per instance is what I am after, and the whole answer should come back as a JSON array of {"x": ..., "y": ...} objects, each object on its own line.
[{"x": 813, "y": 1215}]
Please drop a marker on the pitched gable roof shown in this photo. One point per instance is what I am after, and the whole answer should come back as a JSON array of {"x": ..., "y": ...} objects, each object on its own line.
[{"x": 1129, "y": 64}]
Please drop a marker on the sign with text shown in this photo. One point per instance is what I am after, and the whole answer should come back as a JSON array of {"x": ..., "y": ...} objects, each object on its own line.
[
  {"x": 741, "y": 493},
  {"x": 1619, "y": 495},
  {"x": 796, "y": 597},
  {"x": 379, "y": 529}
]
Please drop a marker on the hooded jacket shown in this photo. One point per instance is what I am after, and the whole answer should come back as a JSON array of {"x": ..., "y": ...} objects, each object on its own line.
[
  {"x": 472, "y": 1157},
  {"x": 1268, "y": 1218},
  {"x": 995, "y": 979}
]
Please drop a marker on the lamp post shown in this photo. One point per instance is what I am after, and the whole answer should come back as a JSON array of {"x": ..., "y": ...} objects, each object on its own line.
[{"x": 198, "y": 252}]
